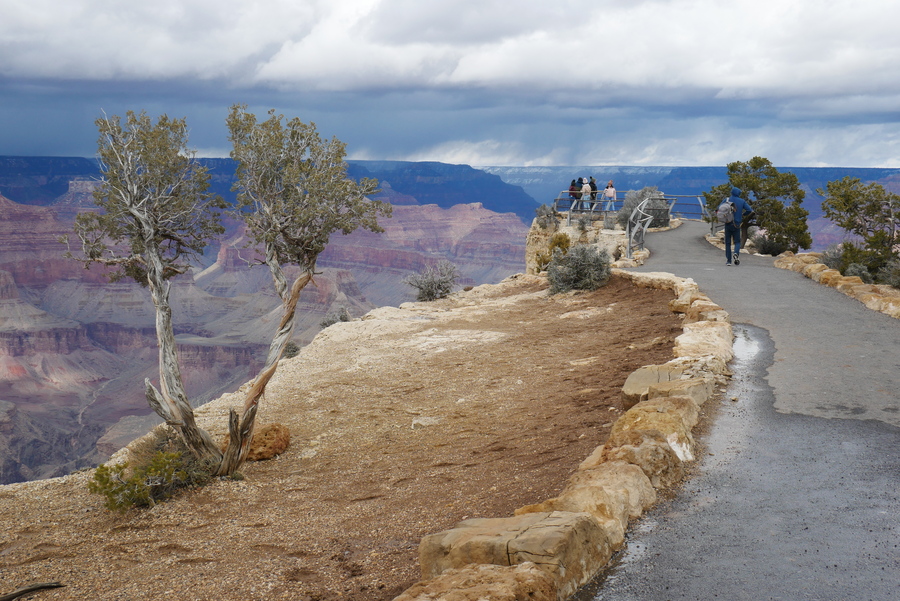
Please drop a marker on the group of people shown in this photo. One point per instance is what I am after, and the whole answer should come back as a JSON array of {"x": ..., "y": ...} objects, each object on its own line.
[{"x": 583, "y": 188}]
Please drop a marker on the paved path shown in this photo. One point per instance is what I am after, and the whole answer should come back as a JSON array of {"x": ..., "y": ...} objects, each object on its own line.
[
  {"x": 833, "y": 357},
  {"x": 798, "y": 497}
]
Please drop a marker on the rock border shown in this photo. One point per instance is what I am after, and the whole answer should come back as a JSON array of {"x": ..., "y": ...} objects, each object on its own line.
[
  {"x": 878, "y": 297},
  {"x": 547, "y": 551}
]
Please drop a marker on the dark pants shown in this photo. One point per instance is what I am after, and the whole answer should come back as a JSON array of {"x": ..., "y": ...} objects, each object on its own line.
[{"x": 732, "y": 237}]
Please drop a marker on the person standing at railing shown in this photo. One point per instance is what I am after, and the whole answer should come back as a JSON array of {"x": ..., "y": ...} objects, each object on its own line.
[
  {"x": 609, "y": 194},
  {"x": 585, "y": 193},
  {"x": 593, "y": 183},
  {"x": 574, "y": 195}
]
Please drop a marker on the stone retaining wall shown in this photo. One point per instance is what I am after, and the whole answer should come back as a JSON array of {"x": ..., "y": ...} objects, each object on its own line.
[
  {"x": 548, "y": 550},
  {"x": 885, "y": 299}
]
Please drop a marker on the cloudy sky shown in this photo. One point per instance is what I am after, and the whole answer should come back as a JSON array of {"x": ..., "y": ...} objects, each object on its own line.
[{"x": 482, "y": 82}]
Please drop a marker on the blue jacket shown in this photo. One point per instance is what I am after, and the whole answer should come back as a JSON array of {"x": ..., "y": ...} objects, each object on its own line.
[{"x": 741, "y": 206}]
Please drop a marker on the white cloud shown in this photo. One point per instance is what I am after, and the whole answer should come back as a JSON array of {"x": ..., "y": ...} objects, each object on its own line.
[{"x": 488, "y": 81}]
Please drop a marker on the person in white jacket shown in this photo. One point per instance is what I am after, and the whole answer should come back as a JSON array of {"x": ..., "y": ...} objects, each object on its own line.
[{"x": 585, "y": 193}]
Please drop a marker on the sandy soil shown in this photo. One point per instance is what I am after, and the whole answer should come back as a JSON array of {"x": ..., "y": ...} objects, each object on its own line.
[{"x": 403, "y": 424}]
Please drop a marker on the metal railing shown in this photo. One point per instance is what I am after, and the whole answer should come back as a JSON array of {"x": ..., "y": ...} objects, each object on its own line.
[
  {"x": 565, "y": 203},
  {"x": 636, "y": 228},
  {"x": 677, "y": 205}
]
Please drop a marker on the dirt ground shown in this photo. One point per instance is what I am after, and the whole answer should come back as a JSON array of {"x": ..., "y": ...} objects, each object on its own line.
[{"x": 402, "y": 425}]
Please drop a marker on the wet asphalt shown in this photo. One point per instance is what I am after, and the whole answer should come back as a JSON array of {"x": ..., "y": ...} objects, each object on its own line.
[{"x": 798, "y": 494}]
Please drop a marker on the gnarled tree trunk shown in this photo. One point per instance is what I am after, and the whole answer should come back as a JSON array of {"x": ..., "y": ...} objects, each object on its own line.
[
  {"x": 171, "y": 402},
  {"x": 240, "y": 431}
]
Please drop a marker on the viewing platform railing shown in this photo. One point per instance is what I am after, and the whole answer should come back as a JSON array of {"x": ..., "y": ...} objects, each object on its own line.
[{"x": 677, "y": 205}]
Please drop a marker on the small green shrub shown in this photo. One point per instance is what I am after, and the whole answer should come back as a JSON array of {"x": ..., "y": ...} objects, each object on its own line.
[
  {"x": 333, "y": 317},
  {"x": 856, "y": 269},
  {"x": 582, "y": 268},
  {"x": 656, "y": 206},
  {"x": 832, "y": 257},
  {"x": 609, "y": 222},
  {"x": 559, "y": 241},
  {"x": 546, "y": 217},
  {"x": 890, "y": 273},
  {"x": 584, "y": 222},
  {"x": 767, "y": 246},
  {"x": 852, "y": 252},
  {"x": 434, "y": 282},
  {"x": 291, "y": 349},
  {"x": 159, "y": 469}
]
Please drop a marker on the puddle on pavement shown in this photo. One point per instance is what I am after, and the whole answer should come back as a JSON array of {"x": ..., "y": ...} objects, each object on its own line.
[{"x": 745, "y": 349}]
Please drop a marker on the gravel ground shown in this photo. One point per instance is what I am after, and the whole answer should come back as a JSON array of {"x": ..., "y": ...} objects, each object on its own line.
[{"x": 403, "y": 423}]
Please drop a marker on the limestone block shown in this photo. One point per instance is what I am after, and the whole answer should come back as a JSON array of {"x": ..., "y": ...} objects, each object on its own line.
[
  {"x": 613, "y": 493},
  {"x": 813, "y": 268},
  {"x": 704, "y": 310},
  {"x": 666, "y": 418},
  {"x": 705, "y": 338},
  {"x": 699, "y": 389},
  {"x": 788, "y": 261},
  {"x": 891, "y": 307},
  {"x": 847, "y": 282},
  {"x": 624, "y": 263},
  {"x": 571, "y": 547},
  {"x": 827, "y": 276},
  {"x": 641, "y": 256},
  {"x": 686, "y": 295},
  {"x": 650, "y": 451},
  {"x": 697, "y": 367},
  {"x": 638, "y": 382},
  {"x": 652, "y": 279},
  {"x": 486, "y": 583},
  {"x": 860, "y": 290},
  {"x": 682, "y": 406},
  {"x": 872, "y": 300}
]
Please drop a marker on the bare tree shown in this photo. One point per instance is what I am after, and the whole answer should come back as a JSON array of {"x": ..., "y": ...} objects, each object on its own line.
[
  {"x": 293, "y": 193},
  {"x": 157, "y": 217}
]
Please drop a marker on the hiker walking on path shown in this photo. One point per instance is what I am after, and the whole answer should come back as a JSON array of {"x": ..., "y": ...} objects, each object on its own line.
[{"x": 731, "y": 212}]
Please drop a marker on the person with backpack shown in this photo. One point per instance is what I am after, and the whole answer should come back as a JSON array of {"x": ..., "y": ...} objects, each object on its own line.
[{"x": 732, "y": 210}]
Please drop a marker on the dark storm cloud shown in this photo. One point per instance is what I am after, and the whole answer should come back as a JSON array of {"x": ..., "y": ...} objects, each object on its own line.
[{"x": 673, "y": 82}]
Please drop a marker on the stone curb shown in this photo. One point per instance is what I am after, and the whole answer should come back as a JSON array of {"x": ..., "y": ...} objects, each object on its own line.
[
  {"x": 549, "y": 550},
  {"x": 878, "y": 297}
]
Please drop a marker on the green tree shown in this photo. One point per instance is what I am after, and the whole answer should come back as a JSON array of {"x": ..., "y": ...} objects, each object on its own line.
[
  {"x": 157, "y": 217},
  {"x": 293, "y": 193},
  {"x": 778, "y": 200},
  {"x": 868, "y": 211}
]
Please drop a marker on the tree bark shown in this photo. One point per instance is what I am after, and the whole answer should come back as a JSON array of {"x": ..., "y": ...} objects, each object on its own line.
[
  {"x": 240, "y": 432},
  {"x": 170, "y": 402}
]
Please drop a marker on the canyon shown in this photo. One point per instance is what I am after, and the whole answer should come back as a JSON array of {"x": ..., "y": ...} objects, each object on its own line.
[{"x": 76, "y": 348}]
